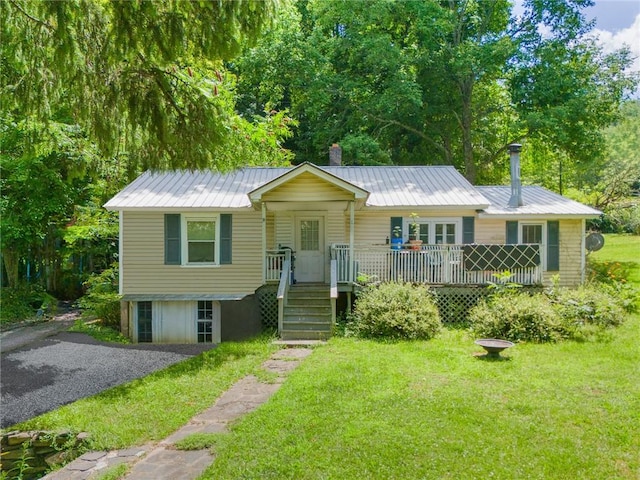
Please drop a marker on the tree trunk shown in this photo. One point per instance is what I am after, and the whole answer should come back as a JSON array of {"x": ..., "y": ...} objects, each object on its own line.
[
  {"x": 11, "y": 263},
  {"x": 466, "y": 92}
]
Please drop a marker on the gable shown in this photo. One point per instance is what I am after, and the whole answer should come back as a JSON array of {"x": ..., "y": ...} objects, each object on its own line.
[{"x": 307, "y": 187}]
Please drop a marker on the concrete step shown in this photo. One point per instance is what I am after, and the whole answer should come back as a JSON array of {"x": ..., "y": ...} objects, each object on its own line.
[
  {"x": 304, "y": 335},
  {"x": 307, "y": 319}
]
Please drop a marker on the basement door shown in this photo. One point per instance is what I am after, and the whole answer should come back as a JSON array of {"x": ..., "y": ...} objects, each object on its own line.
[{"x": 310, "y": 260}]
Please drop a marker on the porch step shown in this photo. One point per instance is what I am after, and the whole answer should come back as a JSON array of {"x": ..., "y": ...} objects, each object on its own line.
[
  {"x": 304, "y": 335},
  {"x": 307, "y": 314}
]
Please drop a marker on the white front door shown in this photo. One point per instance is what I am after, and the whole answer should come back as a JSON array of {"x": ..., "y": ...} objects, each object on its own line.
[{"x": 310, "y": 259}]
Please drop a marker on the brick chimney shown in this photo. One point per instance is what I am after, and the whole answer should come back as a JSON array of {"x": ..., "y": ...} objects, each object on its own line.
[
  {"x": 516, "y": 187},
  {"x": 335, "y": 155}
]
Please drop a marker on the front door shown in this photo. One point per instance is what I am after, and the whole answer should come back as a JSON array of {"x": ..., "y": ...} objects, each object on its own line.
[{"x": 310, "y": 260}]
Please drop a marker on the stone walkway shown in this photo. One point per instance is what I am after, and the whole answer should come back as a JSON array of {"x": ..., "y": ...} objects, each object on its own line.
[{"x": 162, "y": 461}]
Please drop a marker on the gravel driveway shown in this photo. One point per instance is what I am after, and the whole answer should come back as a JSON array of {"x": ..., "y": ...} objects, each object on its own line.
[{"x": 68, "y": 366}]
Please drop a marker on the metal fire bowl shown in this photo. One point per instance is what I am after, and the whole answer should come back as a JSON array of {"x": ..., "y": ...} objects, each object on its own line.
[{"x": 493, "y": 346}]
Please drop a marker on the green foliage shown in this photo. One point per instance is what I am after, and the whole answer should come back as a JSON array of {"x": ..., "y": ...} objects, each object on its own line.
[
  {"x": 99, "y": 332},
  {"x": 198, "y": 441},
  {"x": 102, "y": 299},
  {"x": 516, "y": 317},
  {"x": 145, "y": 78},
  {"x": 396, "y": 311},
  {"x": 438, "y": 82},
  {"x": 586, "y": 310},
  {"x": 24, "y": 302}
]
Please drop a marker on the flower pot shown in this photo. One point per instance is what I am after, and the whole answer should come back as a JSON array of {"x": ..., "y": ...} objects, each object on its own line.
[
  {"x": 415, "y": 244},
  {"x": 396, "y": 243}
]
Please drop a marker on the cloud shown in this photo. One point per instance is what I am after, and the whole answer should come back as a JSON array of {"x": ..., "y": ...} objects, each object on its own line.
[{"x": 630, "y": 37}]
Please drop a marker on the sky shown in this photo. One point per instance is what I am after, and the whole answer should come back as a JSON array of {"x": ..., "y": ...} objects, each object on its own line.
[{"x": 617, "y": 24}]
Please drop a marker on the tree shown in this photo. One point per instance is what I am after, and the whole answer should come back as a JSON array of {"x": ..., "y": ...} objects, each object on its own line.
[
  {"x": 448, "y": 82},
  {"x": 145, "y": 78},
  {"x": 39, "y": 190}
]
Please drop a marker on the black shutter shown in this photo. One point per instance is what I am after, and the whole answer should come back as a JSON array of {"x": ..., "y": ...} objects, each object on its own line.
[
  {"x": 395, "y": 222},
  {"x": 468, "y": 230},
  {"x": 553, "y": 245},
  {"x": 512, "y": 233},
  {"x": 225, "y": 238},
  {"x": 172, "y": 239}
]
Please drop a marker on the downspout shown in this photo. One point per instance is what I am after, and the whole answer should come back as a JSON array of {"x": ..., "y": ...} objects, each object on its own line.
[
  {"x": 352, "y": 263},
  {"x": 264, "y": 242}
]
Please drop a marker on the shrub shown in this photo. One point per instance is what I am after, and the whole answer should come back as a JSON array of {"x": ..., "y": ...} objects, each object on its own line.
[
  {"x": 23, "y": 302},
  {"x": 516, "y": 317},
  {"x": 397, "y": 311},
  {"x": 587, "y": 305},
  {"x": 102, "y": 299}
]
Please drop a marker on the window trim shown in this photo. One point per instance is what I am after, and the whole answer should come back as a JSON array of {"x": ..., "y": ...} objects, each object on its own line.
[
  {"x": 543, "y": 245},
  {"x": 185, "y": 219},
  {"x": 432, "y": 221}
]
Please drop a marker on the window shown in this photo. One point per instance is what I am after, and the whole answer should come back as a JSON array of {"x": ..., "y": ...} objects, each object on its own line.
[
  {"x": 145, "y": 322},
  {"x": 201, "y": 245},
  {"x": 310, "y": 235},
  {"x": 205, "y": 321},
  {"x": 438, "y": 231}
]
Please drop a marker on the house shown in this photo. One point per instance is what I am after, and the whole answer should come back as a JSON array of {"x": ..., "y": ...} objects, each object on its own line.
[{"x": 195, "y": 247}]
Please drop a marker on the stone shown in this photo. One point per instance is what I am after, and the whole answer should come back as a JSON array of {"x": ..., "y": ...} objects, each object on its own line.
[
  {"x": 93, "y": 456},
  {"x": 19, "y": 438}
]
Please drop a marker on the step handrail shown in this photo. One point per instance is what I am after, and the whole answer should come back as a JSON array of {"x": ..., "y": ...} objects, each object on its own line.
[
  {"x": 283, "y": 291},
  {"x": 333, "y": 289}
]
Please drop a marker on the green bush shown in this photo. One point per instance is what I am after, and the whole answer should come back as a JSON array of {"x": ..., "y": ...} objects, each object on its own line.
[
  {"x": 23, "y": 303},
  {"x": 102, "y": 299},
  {"x": 396, "y": 311},
  {"x": 587, "y": 305},
  {"x": 516, "y": 317}
]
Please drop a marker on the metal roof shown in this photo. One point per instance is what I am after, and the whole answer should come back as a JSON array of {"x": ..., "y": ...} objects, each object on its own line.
[
  {"x": 411, "y": 186},
  {"x": 537, "y": 201}
]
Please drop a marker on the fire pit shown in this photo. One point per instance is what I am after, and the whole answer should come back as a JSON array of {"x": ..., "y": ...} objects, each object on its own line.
[{"x": 493, "y": 346}]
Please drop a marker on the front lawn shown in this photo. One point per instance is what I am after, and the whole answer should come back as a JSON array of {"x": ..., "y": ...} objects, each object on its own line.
[
  {"x": 363, "y": 409},
  {"x": 431, "y": 409}
]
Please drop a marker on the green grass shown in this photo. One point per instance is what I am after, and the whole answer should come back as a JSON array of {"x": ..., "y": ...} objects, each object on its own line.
[
  {"x": 99, "y": 332},
  {"x": 623, "y": 249},
  {"x": 198, "y": 441},
  {"x": 151, "y": 408},
  {"x": 361, "y": 409}
]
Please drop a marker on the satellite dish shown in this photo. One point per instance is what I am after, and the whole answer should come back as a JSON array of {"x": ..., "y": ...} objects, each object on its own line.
[{"x": 594, "y": 242}]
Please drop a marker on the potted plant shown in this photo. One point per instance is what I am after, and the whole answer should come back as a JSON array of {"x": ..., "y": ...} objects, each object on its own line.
[
  {"x": 396, "y": 238},
  {"x": 414, "y": 227}
]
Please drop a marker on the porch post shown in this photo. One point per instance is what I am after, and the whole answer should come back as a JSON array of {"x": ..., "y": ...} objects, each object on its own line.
[
  {"x": 352, "y": 262},
  {"x": 264, "y": 242}
]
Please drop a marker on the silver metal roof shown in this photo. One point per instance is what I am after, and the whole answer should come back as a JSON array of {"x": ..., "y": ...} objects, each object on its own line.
[
  {"x": 388, "y": 186},
  {"x": 537, "y": 201}
]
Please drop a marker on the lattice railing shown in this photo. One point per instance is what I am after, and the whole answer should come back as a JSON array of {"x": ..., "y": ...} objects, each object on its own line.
[{"x": 439, "y": 264}]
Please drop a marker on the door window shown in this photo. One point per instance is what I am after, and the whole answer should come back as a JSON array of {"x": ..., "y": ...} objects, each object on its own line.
[{"x": 309, "y": 235}]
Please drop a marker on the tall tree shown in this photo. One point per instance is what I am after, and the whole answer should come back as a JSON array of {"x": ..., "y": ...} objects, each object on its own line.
[
  {"x": 450, "y": 81},
  {"x": 141, "y": 77}
]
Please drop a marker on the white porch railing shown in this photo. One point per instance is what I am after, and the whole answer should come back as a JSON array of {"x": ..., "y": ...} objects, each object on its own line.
[
  {"x": 430, "y": 264},
  {"x": 274, "y": 262}
]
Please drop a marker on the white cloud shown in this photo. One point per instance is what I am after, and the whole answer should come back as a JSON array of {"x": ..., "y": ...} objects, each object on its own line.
[{"x": 627, "y": 36}]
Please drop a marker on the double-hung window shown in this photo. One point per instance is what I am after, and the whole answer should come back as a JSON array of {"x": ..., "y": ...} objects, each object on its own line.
[
  {"x": 534, "y": 233},
  {"x": 201, "y": 245}
]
